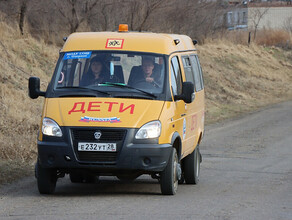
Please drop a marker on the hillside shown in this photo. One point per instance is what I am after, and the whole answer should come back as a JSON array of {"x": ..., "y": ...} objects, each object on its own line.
[
  {"x": 237, "y": 79},
  {"x": 20, "y": 58},
  {"x": 241, "y": 79}
]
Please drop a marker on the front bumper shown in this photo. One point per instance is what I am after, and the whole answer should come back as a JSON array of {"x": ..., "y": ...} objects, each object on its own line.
[{"x": 141, "y": 156}]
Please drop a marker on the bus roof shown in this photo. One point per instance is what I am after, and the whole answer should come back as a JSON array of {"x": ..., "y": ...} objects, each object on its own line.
[{"x": 128, "y": 41}]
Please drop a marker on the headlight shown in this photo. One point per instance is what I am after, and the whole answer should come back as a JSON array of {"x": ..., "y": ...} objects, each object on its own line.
[
  {"x": 51, "y": 128},
  {"x": 149, "y": 130}
]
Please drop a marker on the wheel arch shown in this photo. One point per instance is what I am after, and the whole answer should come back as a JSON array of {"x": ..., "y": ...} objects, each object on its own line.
[
  {"x": 200, "y": 138},
  {"x": 177, "y": 143}
]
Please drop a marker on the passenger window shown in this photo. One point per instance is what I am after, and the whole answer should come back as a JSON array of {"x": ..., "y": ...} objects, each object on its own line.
[
  {"x": 196, "y": 72},
  {"x": 188, "y": 69},
  {"x": 176, "y": 75},
  {"x": 201, "y": 72},
  {"x": 173, "y": 82}
]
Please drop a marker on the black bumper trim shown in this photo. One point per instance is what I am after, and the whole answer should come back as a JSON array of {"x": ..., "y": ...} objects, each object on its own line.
[{"x": 142, "y": 157}]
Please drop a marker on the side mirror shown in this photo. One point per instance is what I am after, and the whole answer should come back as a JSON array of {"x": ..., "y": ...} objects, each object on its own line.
[
  {"x": 188, "y": 94},
  {"x": 34, "y": 88}
]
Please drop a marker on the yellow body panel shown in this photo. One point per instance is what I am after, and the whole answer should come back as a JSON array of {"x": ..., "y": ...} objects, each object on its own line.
[
  {"x": 170, "y": 121},
  {"x": 175, "y": 116},
  {"x": 102, "y": 112},
  {"x": 185, "y": 119},
  {"x": 40, "y": 138},
  {"x": 127, "y": 41},
  {"x": 194, "y": 123}
]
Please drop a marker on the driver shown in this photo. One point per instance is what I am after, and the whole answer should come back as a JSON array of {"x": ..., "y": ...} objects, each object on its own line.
[{"x": 147, "y": 73}]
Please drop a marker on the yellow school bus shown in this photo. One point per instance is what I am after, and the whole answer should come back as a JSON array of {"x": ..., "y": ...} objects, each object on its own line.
[{"x": 122, "y": 104}]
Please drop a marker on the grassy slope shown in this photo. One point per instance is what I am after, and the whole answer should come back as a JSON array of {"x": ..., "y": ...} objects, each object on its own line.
[
  {"x": 241, "y": 79},
  {"x": 237, "y": 79},
  {"x": 20, "y": 57}
]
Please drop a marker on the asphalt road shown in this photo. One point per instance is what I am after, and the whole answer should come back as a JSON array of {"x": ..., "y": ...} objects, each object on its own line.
[{"x": 246, "y": 174}]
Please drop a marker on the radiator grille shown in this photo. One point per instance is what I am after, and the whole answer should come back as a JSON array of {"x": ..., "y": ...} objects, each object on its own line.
[
  {"x": 107, "y": 136},
  {"x": 97, "y": 156}
]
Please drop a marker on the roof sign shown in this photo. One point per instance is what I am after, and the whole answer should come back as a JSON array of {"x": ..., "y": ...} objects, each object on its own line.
[{"x": 114, "y": 43}]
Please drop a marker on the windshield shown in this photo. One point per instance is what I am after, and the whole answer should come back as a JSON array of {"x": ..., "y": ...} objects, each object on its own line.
[{"x": 111, "y": 72}]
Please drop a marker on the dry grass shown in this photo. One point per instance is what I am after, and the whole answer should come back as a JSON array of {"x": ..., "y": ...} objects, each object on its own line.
[
  {"x": 21, "y": 57},
  {"x": 278, "y": 38},
  {"x": 240, "y": 79},
  {"x": 13, "y": 170},
  {"x": 237, "y": 79},
  {"x": 264, "y": 37}
]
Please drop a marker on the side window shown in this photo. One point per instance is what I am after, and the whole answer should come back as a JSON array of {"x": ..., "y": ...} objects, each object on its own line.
[
  {"x": 201, "y": 72},
  {"x": 188, "y": 69},
  {"x": 196, "y": 72},
  {"x": 173, "y": 81},
  {"x": 176, "y": 75}
]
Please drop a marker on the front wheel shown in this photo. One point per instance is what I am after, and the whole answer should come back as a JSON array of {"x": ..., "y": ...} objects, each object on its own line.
[
  {"x": 169, "y": 176},
  {"x": 46, "y": 179},
  {"x": 192, "y": 167}
]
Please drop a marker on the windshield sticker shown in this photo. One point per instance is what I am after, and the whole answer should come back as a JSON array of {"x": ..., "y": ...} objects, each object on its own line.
[
  {"x": 77, "y": 55},
  {"x": 62, "y": 78},
  {"x": 92, "y": 119},
  {"x": 114, "y": 43}
]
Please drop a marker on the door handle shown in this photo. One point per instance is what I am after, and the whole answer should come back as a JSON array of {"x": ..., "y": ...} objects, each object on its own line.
[{"x": 182, "y": 115}]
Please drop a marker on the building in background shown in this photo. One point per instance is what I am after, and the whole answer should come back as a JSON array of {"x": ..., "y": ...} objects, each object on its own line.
[
  {"x": 274, "y": 16},
  {"x": 267, "y": 14},
  {"x": 236, "y": 16}
]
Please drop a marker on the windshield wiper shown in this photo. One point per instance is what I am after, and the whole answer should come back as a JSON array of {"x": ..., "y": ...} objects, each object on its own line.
[
  {"x": 121, "y": 85},
  {"x": 86, "y": 88}
]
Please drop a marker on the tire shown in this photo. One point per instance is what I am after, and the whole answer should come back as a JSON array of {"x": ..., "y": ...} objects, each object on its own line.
[
  {"x": 168, "y": 177},
  {"x": 192, "y": 167},
  {"x": 46, "y": 179}
]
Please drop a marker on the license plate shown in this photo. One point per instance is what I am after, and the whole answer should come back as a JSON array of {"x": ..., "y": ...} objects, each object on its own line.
[{"x": 105, "y": 147}]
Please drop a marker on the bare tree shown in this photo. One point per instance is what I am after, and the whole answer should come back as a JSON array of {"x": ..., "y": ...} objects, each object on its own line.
[
  {"x": 77, "y": 12},
  {"x": 22, "y": 12},
  {"x": 15, "y": 11},
  {"x": 105, "y": 17},
  {"x": 288, "y": 24},
  {"x": 54, "y": 19},
  {"x": 106, "y": 11},
  {"x": 151, "y": 6},
  {"x": 208, "y": 20},
  {"x": 134, "y": 8},
  {"x": 256, "y": 15},
  {"x": 196, "y": 18},
  {"x": 140, "y": 11}
]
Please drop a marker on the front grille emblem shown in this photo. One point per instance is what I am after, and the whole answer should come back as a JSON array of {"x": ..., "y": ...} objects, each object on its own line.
[{"x": 97, "y": 135}]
